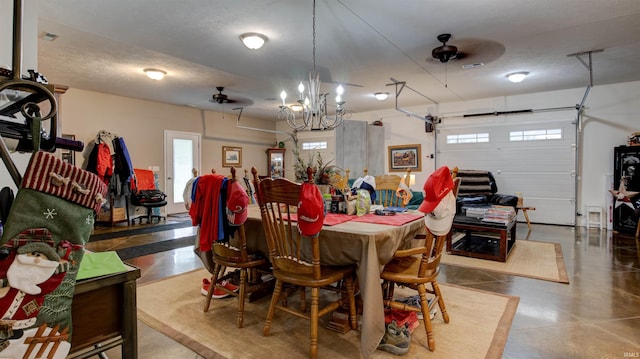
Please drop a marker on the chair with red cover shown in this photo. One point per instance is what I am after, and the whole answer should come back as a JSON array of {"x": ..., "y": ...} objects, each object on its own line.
[{"x": 145, "y": 194}]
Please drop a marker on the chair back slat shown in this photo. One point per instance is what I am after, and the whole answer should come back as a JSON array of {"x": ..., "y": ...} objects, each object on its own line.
[
  {"x": 278, "y": 200},
  {"x": 433, "y": 253},
  {"x": 386, "y": 187}
]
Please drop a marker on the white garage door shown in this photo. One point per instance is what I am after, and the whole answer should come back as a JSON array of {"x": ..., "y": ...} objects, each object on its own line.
[{"x": 525, "y": 153}]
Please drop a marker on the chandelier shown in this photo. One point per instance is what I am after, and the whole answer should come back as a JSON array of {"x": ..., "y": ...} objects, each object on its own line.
[{"x": 311, "y": 110}]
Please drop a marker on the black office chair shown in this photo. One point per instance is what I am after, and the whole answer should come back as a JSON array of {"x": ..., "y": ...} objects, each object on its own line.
[{"x": 144, "y": 194}]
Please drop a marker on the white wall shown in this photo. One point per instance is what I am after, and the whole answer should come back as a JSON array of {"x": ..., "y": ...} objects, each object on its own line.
[
  {"x": 142, "y": 123},
  {"x": 611, "y": 115}
]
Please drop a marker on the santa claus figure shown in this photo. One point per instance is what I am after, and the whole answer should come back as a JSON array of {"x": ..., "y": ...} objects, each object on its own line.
[
  {"x": 33, "y": 265},
  {"x": 30, "y": 276}
]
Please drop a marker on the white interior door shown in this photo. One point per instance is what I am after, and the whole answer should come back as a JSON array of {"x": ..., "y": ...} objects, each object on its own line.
[{"x": 182, "y": 155}]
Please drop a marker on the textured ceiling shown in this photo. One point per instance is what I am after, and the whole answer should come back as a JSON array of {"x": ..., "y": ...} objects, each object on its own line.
[{"x": 104, "y": 45}]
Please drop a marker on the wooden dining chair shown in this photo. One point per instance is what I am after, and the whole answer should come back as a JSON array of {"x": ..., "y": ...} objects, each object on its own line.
[
  {"x": 341, "y": 181},
  {"x": 278, "y": 198},
  {"x": 386, "y": 187},
  {"x": 418, "y": 268},
  {"x": 235, "y": 255}
]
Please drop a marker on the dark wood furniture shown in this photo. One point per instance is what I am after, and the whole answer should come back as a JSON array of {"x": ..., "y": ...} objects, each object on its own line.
[
  {"x": 275, "y": 160},
  {"x": 626, "y": 171},
  {"x": 104, "y": 315},
  {"x": 477, "y": 244}
]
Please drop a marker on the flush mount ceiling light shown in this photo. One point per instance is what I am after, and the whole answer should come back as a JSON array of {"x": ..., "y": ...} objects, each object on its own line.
[
  {"x": 155, "y": 74},
  {"x": 381, "y": 96},
  {"x": 253, "y": 40},
  {"x": 517, "y": 76}
]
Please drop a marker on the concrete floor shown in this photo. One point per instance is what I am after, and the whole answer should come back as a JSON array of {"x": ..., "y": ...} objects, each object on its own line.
[{"x": 597, "y": 315}]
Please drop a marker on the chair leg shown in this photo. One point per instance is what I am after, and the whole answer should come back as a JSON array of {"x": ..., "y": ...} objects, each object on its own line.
[
  {"x": 303, "y": 299},
  {"x": 272, "y": 306},
  {"x": 212, "y": 286},
  {"x": 315, "y": 297},
  {"x": 443, "y": 308},
  {"x": 428, "y": 327},
  {"x": 241, "y": 296}
]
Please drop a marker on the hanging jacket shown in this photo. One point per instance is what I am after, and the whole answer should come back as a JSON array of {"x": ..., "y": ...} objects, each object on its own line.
[
  {"x": 206, "y": 209},
  {"x": 123, "y": 167},
  {"x": 100, "y": 162}
]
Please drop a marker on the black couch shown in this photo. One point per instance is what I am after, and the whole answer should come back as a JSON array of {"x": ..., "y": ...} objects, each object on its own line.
[{"x": 478, "y": 189}]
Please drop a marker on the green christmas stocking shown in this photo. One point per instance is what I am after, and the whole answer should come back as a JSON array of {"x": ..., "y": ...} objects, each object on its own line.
[{"x": 42, "y": 245}]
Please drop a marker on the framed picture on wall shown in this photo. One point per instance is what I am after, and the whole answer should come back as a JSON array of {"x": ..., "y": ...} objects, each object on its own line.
[
  {"x": 403, "y": 157},
  {"x": 231, "y": 156}
]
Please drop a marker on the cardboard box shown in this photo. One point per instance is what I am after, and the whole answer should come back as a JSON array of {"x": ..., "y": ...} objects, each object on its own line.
[{"x": 119, "y": 214}]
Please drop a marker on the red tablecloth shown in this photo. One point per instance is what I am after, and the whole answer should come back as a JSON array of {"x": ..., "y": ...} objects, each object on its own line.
[
  {"x": 330, "y": 219},
  {"x": 398, "y": 220}
]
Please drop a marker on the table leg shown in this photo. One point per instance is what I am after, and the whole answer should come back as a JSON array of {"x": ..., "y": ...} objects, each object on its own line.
[
  {"x": 130, "y": 321},
  {"x": 526, "y": 216}
]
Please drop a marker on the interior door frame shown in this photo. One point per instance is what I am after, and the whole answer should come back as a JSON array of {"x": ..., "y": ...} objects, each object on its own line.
[{"x": 169, "y": 136}]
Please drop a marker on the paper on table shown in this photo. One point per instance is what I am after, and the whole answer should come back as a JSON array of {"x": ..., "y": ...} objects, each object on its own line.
[{"x": 95, "y": 264}]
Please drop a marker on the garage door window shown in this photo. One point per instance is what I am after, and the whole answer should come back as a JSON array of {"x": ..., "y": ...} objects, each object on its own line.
[
  {"x": 468, "y": 138},
  {"x": 536, "y": 135}
]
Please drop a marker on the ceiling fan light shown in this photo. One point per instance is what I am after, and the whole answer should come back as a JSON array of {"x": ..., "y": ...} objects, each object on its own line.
[
  {"x": 381, "y": 96},
  {"x": 253, "y": 40},
  {"x": 516, "y": 77},
  {"x": 155, "y": 74}
]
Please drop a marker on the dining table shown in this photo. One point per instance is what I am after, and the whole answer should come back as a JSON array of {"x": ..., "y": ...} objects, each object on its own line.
[{"x": 368, "y": 242}]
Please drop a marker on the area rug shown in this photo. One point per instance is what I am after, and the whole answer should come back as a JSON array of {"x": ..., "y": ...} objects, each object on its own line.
[
  {"x": 531, "y": 259},
  {"x": 479, "y": 325},
  {"x": 155, "y": 247}
]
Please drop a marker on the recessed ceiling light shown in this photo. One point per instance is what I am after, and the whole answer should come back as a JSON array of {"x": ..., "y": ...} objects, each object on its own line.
[
  {"x": 517, "y": 76},
  {"x": 253, "y": 40},
  {"x": 155, "y": 74},
  {"x": 381, "y": 96}
]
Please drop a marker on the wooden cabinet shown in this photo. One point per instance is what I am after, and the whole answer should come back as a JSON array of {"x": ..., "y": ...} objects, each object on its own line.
[
  {"x": 104, "y": 315},
  {"x": 275, "y": 161},
  {"x": 626, "y": 169}
]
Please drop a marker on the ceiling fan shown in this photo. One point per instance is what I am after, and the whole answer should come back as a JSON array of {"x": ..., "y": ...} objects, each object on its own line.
[
  {"x": 445, "y": 52},
  {"x": 477, "y": 52},
  {"x": 220, "y": 97}
]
